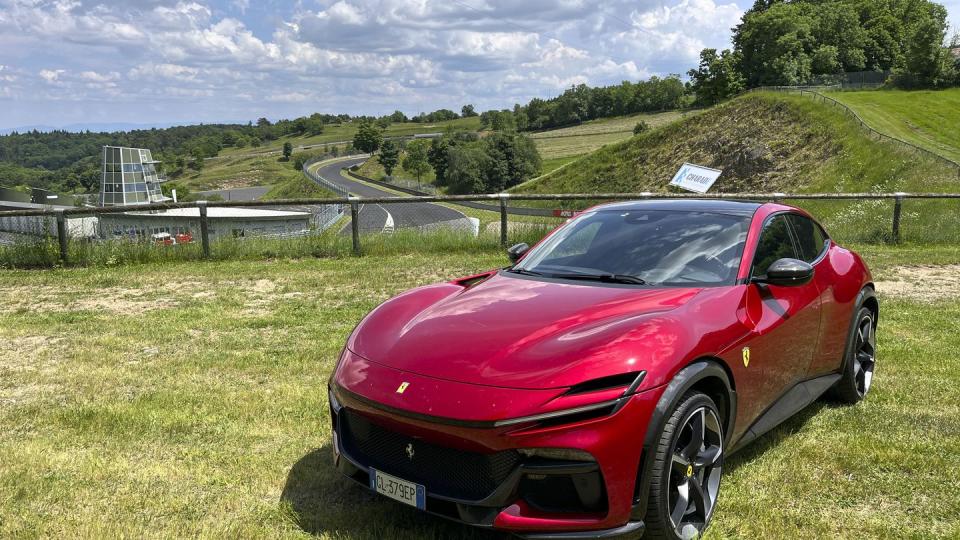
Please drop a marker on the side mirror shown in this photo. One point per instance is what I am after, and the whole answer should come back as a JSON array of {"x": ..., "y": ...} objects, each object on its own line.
[
  {"x": 786, "y": 273},
  {"x": 517, "y": 251}
]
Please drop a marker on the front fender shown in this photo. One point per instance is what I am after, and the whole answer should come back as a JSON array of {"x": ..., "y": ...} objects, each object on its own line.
[{"x": 699, "y": 371}]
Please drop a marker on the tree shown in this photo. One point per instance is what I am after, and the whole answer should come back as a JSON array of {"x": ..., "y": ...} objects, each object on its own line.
[
  {"x": 368, "y": 138},
  {"x": 925, "y": 56},
  {"x": 314, "y": 124},
  {"x": 467, "y": 170},
  {"x": 789, "y": 42},
  {"x": 416, "y": 161},
  {"x": 263, "y": 122},
  {"x": 287, "y": 150},
  {"x": 641, "y": 127},
  {"x": 389, "y": 156},
  {"x": 197, "y": 162},
  {"x": 826, "y": 60},
  {"x": 492, "y": 164},
  {"x": 438, "y": 158},
  {"x": 514, "y": 159},
  {"x": 717, "y": 77},
  {"x": 468, "y": 111}
]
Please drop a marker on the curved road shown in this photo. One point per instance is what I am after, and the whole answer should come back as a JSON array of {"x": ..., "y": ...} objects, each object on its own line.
[{"x": 377, "y": 217}]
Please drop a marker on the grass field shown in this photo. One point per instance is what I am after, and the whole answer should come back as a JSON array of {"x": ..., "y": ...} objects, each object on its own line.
[
  {"x": 575, "y": 141},
  {"x": 928, "y": 118},
  {"x": 188, "y": 399}
]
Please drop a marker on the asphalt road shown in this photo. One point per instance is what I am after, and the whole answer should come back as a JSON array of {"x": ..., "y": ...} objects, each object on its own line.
[{"x": 377, "y": 217}]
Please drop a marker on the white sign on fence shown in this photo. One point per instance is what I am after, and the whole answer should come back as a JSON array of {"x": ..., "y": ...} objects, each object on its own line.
[{"x": 695, "y": 178}]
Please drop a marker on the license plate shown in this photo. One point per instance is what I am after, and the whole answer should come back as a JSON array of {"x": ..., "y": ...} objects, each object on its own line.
[{"x": 397, "y": 489}]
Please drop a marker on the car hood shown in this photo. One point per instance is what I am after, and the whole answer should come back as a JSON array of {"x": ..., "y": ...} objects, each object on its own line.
[{"x": 512, "y": 331}]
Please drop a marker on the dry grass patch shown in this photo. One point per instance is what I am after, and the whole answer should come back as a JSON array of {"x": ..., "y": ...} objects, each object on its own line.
[{"x": 924, "y": 283}]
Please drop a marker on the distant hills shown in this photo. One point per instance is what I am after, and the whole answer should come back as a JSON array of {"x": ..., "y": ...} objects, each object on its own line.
[{"x": 106, "y": 127}]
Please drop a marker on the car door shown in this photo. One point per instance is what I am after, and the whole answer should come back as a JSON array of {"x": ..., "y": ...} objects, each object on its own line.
[
  {"x": 813, "y": 244},
  {"x": 784, "y": 321}
]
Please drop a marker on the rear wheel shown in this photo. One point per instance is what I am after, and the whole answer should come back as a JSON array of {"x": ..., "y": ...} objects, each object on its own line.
[
  {"x": 861, "y": 359},
  {"x": 686, "y": 470}
]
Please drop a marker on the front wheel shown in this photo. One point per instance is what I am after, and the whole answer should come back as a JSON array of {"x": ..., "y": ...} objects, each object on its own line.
[
  {"x": 686, "y": 470},
  {"x": 857, "y": 374}
]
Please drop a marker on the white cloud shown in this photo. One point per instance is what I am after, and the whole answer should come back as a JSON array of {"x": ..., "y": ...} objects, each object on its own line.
[
  {"x": 51, "y": 75},
  {"x": 93, "y": 76},
  {"x": 362, "y": 56}
]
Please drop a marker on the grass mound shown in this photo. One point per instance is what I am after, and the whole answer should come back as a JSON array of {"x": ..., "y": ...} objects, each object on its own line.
[
  {"x": 778, "y": 143},
  {"x": 763, "y": 142}
]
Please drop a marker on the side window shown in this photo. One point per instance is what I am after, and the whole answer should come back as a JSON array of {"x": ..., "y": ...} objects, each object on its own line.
[
  {"x": 775, "y": 243},
  {"x": 810, "y": 237}
]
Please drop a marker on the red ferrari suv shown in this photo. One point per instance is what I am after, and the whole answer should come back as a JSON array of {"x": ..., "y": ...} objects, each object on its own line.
[{"x": 593, "y": 388}]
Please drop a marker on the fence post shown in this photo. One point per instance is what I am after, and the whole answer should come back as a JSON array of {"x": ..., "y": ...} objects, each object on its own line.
[
  {"x": 204, "y": 229},
  {"x": 355, "y": 224},
  {"x": 897, "y": 206},
  {"x": 503, "y": 219},
  {"x": 62, "y": 236}
]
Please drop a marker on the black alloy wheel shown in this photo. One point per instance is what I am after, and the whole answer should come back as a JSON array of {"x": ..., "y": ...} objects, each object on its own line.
[{"x": 687, "y": 469}]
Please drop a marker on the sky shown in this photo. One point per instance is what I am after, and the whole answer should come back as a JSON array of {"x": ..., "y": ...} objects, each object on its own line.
[{"x": 160, "y": 62}]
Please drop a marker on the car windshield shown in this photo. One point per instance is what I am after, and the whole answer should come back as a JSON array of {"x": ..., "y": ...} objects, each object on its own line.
[{"x": 652, "y": 247}]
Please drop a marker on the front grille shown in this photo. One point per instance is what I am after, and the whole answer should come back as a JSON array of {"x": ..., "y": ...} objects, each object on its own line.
[{"x": 443, "y": 471}]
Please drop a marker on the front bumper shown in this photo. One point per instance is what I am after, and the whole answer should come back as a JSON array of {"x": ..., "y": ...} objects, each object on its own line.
[{"x": 606, "y": 489}]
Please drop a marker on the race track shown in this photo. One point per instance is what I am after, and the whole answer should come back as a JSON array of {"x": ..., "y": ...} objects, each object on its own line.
[{"x": 380, "y": 217}]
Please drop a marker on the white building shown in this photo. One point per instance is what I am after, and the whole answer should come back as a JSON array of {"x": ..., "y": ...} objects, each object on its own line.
[{"x": 222, "y": 223}]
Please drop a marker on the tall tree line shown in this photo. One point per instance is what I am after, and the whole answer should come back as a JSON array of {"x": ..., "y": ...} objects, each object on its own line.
[{"x": 796, "y": 42}]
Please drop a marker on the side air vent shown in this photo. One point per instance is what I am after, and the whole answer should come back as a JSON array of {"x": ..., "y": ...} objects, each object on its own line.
[{"x": 630, "y": 381}]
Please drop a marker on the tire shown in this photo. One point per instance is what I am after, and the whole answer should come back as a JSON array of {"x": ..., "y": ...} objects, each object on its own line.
[
  {"x": 859, "y": 359},
  {"x": 681, "y": 466}
]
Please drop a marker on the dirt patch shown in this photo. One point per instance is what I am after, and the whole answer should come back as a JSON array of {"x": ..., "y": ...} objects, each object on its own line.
[
  {"x": 925, "y": 283},
  {"x": 119, "y": 300}
]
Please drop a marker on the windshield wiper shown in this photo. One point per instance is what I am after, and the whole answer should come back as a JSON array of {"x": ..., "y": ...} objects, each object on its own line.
[
  {"x": 524, "y": 272},
  {"x": 606, "y": 278}
]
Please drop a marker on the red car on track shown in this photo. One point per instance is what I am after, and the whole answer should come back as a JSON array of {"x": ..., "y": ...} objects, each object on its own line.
[{"x": 594, "y": 388}]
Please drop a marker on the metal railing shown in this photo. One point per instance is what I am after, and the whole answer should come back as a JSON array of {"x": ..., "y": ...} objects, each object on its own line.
[
  {"x": 813, "y": 92},
  {"x": 502, "y": 199},
  {"x": 321, "y": 181}
]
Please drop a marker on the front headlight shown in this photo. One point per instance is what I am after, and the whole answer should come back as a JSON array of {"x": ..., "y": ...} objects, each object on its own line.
[{"x": 334, "y": 402}]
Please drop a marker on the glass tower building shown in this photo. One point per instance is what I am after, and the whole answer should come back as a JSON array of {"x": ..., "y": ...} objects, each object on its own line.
[{"x": 129, "y": 177}]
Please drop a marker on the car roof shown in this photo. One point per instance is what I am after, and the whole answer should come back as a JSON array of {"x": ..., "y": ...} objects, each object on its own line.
[{"x": 713, "y": 206}]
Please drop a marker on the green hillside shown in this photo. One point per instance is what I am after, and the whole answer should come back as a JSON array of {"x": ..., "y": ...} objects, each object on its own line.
[
  {"x": 775, "y": 143},
  {"x": 237, "y": 172},
  {"x": 928, "y": 118},
  {"x": 345, "y": 132},
  {"x": 561, "y": 146},
  {"x": 244, "y": 167}
]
